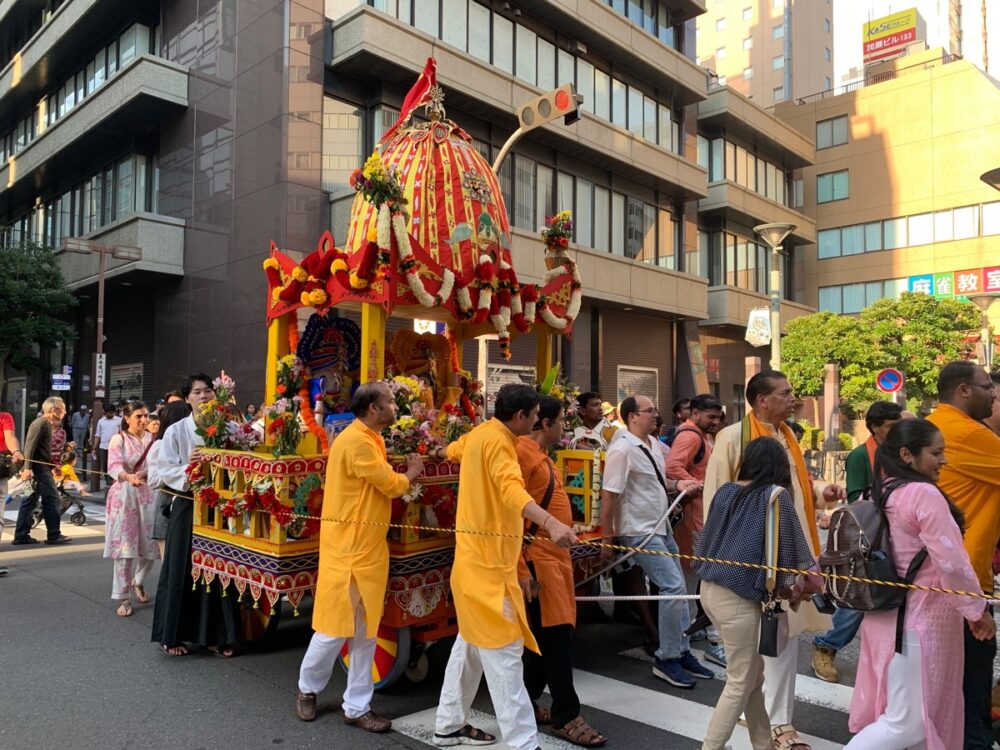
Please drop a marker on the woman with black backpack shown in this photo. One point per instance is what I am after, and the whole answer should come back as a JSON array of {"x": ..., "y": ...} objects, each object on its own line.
[{"x": 914, "y": 698}]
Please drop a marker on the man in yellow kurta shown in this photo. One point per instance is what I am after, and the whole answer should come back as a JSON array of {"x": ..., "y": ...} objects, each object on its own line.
[
  {"x": 354, "y": 558},
  {"x": 771, "y": 402},
  {"x": 492, "y": 625},
  {"x": 972, "y": 479}
]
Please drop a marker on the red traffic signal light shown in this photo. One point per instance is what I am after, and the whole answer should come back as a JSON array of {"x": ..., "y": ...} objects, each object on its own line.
[{"x": 561, "y": 102}]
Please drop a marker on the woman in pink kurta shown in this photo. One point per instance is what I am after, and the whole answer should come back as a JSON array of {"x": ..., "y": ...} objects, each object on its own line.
[
  {"x": 914, "y": 699},
  {"x": 129, "y": 528}
]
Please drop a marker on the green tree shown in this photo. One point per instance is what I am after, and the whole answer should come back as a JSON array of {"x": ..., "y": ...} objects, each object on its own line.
[
  {"x": 915, "y": 333},
  {"x": 34, "y": 304}
]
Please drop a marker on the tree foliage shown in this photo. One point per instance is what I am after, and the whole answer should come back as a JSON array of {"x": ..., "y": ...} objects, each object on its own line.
[
  {"x": 34, "y": 306},
  {"x": 915, "y": 333}
]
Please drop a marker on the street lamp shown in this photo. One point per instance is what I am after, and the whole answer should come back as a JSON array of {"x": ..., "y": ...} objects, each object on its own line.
[
  {"x": 991, "y": 178},
  {"x": 119, "y": 252},
  {"x": 774, "y": 235},
  {"x": 984, "y": 301}
]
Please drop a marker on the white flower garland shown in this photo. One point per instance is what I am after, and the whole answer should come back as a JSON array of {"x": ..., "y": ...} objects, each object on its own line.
[
  {"x": 575, "y": 298},
  {"x": 382, "y": 227},
  {"x": 413, "y": 279},
  {"x": 464, "y": 299}
]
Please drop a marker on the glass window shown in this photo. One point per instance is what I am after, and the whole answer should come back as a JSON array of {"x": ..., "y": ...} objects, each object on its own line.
[
  {"x": 127, "y": 45},
  {"x": 81, "y": 85},
  {"x": 479, "y": 31},
  {"x": 426, "y": 15},
  {"x": 544, "y": 192},
  {"x": 943, "y": 228},
  {"x": 894, "y": 288},
  {"x": 826, "y": 54},
  {"x": 894, "y": 233},
  {"x": 991, "y": 218},
  {"x": 618, "y": 103},
  {"x": 107, "y": 201},
  {"x": 873, "y": 236},
  {"x": 546, "y": 73},
  {"x": 343, "y": 143},
  {"x": 748, "y": 43},
  {"x": 730, "y": 161},
  {"x": 124, "y": 195},
  {"x": 602, "y": 95},
  {"x": 778, "y": 31},
  {"x": 524, "y": 193},
  {"x": 140, "y": 183},
  {"x": 716, "y": 171},
  {"x": 730, "y": 258},
  {"x": 635, "y": 230},
  {"x": 703, "y": 148},
  {"x": 618, "y": 224},
  {"x": 666, "y": 256},
  {"x": 748, "y": 14},
  {"x": 747, "y": 74},
  {"x": 720, "y": 24},
  {"x": 91, "y": 77},
  {"x": 583, "y": 216},
  {"x": 831, "y": 186},
  {"x": 921, "y": 229},
  {"x": 777, "y": 62},
  {"x": 741, "y": 166},
  {"x": 720, "y": 54},
  {"x": 585, "y": 83},
  {"x": 826, "y": 25},
  {"x": 566, "y": 71},
  {"x": 649, "y": 123},
  {"x": 564, "y": 195},
  {"x": 852, "y": 240},
  {"x": 456, "y": 22},
  {"x": 829, "y": 243},
  {"x": 635, "y": 11},
  {"x": 873, "y": 292},
  {"x": 665, "y": 31},
  {"x": 503, "y": 43},
  {"x": 854, "y": 298},
  {"x": 112, "y": 58},
  {"x": 100, "y": 71},
  {"x": 635, "y": 110},
  {"x": 966, "y": 222},
  {"x": 779, "y": 93},
  {"x": 722, "y": 80},
  {"x": 526, "y": 43},
  {"x": 602, "y": 218},
  {"x": 649, "y": 235}
]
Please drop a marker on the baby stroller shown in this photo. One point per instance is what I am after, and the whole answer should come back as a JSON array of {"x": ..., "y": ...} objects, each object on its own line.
[{"x": 78, "y": 517}]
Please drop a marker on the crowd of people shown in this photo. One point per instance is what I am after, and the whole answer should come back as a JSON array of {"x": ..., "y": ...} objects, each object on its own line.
[{"x": 745, "y": 493}]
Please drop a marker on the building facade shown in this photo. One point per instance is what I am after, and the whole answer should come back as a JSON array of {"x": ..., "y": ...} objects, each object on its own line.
[
  {"x": 895, "y": 189},
  {"x": 768, "y": 50}
]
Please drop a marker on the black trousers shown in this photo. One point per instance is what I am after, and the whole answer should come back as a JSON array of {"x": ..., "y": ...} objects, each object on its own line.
[
  {"x": 977, "y": 687},
  {"x": 46, "y": 489},
  {"x": 102, "y": 466},
  {"x": 554, "y": 667}
]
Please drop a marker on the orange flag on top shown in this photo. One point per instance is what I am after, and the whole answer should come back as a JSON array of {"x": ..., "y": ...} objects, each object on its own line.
[{"x": 417, "y": 96}]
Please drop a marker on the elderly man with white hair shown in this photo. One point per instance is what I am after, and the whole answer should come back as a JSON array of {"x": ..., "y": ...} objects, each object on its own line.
[{"x": 38, "y": 463}]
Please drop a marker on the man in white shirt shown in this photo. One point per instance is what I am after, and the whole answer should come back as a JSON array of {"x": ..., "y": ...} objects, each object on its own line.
[
  {"x": 181, "y": 438},
  {"x": 107, "y": 427},
  {"x": 80, "y": 425},
  {"x": 633, "y": 505}
]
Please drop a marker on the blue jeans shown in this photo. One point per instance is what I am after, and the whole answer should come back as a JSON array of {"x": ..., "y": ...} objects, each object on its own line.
[
  {"x": 666, "y": 574},
  {"x": 845, "y": 626}
]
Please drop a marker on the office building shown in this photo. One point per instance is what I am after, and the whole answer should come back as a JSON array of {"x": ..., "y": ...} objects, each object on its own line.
[{"x": 768, "y": 50}]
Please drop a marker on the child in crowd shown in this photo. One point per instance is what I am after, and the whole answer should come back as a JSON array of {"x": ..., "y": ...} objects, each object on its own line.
[{"x": 66, "y": 476}]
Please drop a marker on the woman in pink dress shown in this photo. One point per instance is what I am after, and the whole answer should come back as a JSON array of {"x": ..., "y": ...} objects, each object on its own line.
[
  {"x": 128, "y": 533},
  {"x": 913, "y": 699}
]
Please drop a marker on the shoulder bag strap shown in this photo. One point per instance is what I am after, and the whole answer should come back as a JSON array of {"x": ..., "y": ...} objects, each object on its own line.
[
  {"x": 546, "y": 499},
  {"x": 138, "y": 464},
  {"x": 911, "y": 574},
  {"x": 656, "y": 468}
]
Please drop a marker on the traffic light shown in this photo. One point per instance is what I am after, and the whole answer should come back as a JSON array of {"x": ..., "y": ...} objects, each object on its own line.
[{"x": 561, "y": 102}]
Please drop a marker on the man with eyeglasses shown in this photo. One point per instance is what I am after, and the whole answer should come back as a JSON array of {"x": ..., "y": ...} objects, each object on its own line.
[
  {"x": 972, "y": 479},
  {"x": 634, "y": 496}
]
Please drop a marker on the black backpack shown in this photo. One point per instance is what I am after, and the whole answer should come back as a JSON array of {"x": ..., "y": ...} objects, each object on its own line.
[
  {"x": 672, "y": 436},
  {"x": 859, "y": 545}
]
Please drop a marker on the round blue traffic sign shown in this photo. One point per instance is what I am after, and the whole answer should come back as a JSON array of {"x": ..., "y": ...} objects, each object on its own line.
[{"x": 889, "y": 380}]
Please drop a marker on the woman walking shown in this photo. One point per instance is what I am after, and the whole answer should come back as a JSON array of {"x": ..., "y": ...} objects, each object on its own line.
[
  {"x": 913, "y": 699},
  {"x": 735, "y": 529},
  {"x": 128, "y": 539}
]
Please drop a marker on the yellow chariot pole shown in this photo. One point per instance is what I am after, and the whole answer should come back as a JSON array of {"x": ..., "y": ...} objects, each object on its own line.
[{"x": 373, "y": 319}]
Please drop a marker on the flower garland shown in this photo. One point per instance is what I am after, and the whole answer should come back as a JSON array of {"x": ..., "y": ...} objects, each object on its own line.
[
  {"x": 408, "y": 262},
  {"x": 305, "y": 407},
  {"x": 575, "y": 299}
]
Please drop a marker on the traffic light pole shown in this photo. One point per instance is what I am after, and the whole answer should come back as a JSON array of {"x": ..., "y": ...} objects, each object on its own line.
[{"x": 506, "y": 148}]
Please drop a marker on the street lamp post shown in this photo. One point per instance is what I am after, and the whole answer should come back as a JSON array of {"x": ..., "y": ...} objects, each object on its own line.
[
  {"x": 774, "y": 235},
  {"x": 984, "y": 302},
  {"x": 119, "y": 252}
]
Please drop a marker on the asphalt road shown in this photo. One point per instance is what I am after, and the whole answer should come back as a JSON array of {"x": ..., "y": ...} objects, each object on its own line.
[{"x": 74, "y": 675}]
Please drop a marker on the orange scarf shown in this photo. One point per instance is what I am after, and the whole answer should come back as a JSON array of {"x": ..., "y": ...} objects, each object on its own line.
[{"x": 753, "y": 428}]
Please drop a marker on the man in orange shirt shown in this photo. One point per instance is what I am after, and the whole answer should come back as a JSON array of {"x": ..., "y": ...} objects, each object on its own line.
[
  {"x": 545, "y": 573},
  {"x": 690, "y": 449},
  {"x": 972, "y": 479}
]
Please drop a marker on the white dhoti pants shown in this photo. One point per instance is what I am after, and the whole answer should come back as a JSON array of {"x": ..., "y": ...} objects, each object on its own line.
[
  {"x": 321, "y": 656},
  {"x": 505, "y": 680},
  {"x": 901, "y": 727}
]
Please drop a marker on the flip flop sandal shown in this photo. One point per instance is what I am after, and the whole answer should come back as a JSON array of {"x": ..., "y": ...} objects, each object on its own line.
[
  {"x": 140, "y": 594},
  {"x": 579, "y": 732},
  {"x": 467, "y": 735},
  {"x": 124, "y": 609},
  {"x": 223, "y": 652},
  {"x": 178, "y": 650}
]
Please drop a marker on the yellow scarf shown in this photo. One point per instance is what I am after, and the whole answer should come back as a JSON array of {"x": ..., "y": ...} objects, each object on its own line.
[{"x": 753, "y": 428}]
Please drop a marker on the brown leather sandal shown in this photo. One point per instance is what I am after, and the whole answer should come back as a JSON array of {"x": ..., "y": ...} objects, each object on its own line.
[
  {"x": 579, "y": 732},
  {"x": 786, "y": 738}
]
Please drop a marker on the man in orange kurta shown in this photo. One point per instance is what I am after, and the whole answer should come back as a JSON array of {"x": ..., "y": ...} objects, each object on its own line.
[
  {"x": 972, "y": 479},
  {"x": 545, "y": 573},
  {"x": 492, "y": 625},
  {"x": 354, "y": 558}
]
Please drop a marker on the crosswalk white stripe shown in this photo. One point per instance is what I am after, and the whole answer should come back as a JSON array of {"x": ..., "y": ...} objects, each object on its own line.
[{"x": 643, "y": 705}]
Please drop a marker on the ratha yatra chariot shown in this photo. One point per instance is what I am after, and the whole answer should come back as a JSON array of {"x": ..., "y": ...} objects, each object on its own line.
[{"x": 429, "y": 238}]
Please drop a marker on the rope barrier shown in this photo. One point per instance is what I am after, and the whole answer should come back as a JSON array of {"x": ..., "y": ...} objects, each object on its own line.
[
  {"x": 632, "y": 550},
  {"x": 638, "y": 598}
]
